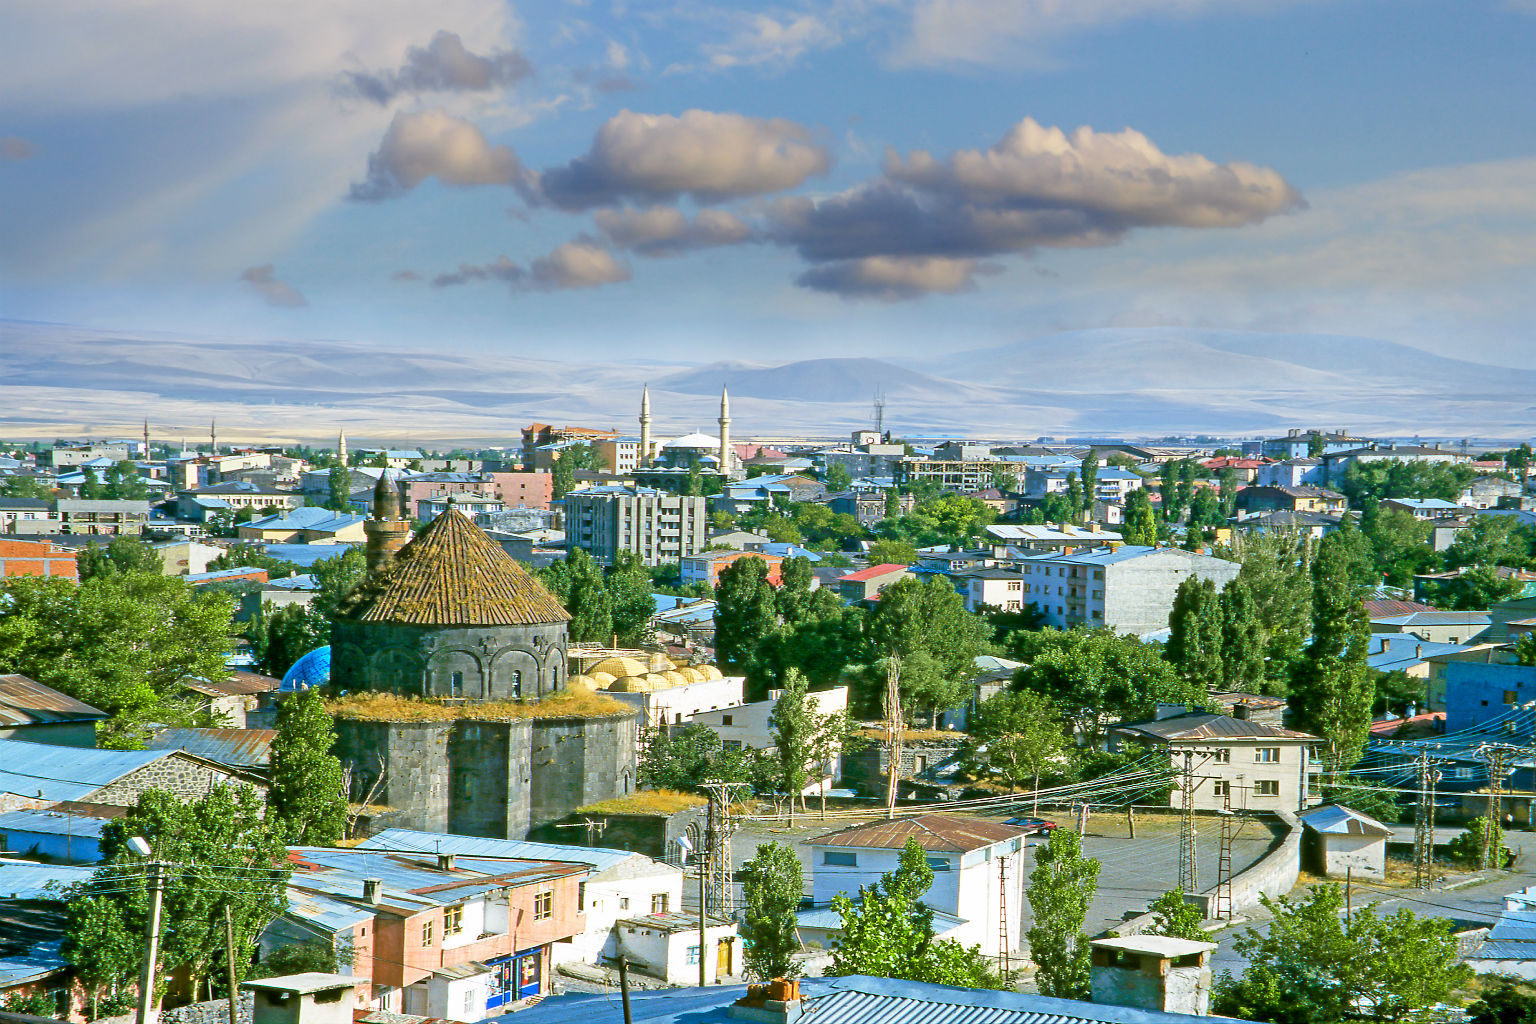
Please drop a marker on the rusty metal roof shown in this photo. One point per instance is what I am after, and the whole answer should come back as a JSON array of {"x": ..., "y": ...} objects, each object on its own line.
[
  {"x": 239, "y": 684},
  {"x": 946, "y": 833},
  {"x": 1203, "y": 726},
  {"x": 26, "y": 701},
  {"x": 452, "y": 574},
  {"x": 238, "y": 748}
]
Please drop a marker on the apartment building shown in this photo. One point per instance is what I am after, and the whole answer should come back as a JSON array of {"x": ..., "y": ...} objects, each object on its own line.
[
  {"x": 1127, "y": 587},
  {"x": 102, "y": 515},
  {"x": 657, "y": 526}
]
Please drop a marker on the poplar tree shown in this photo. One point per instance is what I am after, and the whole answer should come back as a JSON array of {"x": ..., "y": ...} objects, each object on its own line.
[
  {"x": 1140, "y": 525},
  {"x": 1060, "y": 889},
  {"x": 306, "y": 795},
  {"x": 1090, "y": 478},
  {"x": 745, "y": 611},
  {"x": 1331, "y": 689},
  {"x": 1075, "y": 495},
  {"x": 1242, "y": 639},
  {"x": 1195, "y": 635},
  {"x": 771, "y": 886}
]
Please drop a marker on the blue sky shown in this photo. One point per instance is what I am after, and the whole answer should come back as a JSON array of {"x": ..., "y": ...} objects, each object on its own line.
[{"x": 855, "y": 177}]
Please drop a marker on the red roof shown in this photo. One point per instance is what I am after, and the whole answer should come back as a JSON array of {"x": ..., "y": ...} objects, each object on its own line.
[
  {"x": 874, "y": 572},
  {"x": 1383, "y": 607}
]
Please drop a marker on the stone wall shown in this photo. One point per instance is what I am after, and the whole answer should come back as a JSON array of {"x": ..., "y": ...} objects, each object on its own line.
[
  {"x": 865, "y": 770},
  {"x": 180, "y": 775},
  {"x": 214, "y": 1012},
  {"x": 472, "y": 662},
  {"x": 488, "y": 778}
]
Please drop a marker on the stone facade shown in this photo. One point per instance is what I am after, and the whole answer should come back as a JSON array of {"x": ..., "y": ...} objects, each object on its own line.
[
  {"x": 488, "y": 778},
  {"x": 477, "y": 663},
  {"x": 182, "y": 776},
  {"x": 866, "y": 769}
]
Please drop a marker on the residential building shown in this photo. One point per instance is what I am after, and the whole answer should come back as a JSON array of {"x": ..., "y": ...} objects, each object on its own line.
[
  {"x": 39, "y": 775},
  {"x": 235, "y": 495},
  {"x": 236, "y": 701},
  {"x": 1290, "y": 499},
  {"x": 1477, "y": 691},
  {"x": 618, "y": 455},
  {"x": 1129, "y": 588},
  {"x": 1239, "y": 763},
  {"x": 1423, "y": 508},
  {"x": 27, "y": 516},
  {"x": 541, "y": 435},
  {"x": 32, "y": 919},
  {"x": 1316, "y": 525},
  {"x": 1289, "y": 473},
  {"x": 435, "y": 934},
  {"x": 1298, "y": 444},
  {"x": 666, "y": 945},
  {"x": 1336, "y": 464},
  {"x": 310, "y": 524},
  {"x": 868, "y": 507},
  {"x": 394, "y": 458},
  {"x": 747, "y": 726},
  {"x": 1437, "y": 627},
  {"x": 1490, "y": 492},
  {"x": 964, "y": 852},
  {"x": 1437, "y": 660},
  {"x": 868, "y": 584},
  {"x": 657, "y": 526},
  {"x": 513, "y": 490},
  {"x": 65, "y": 833},
  {"x": 102, "y": 515},
  {"x": 972, "y": 472},
  {"x": 185, "y": 555},
  {"x": 706, "y": 566},
  {"x": 246, "y": 750},
  {"x": 476, "y": 506},
  {"x": 1247, "y": 470},
  {"x": 66, "y": 456},
  {"x": 1011, "y": 538},
  {"x": 997, "y": 586},
  {"x": 31, "y": 711},
  {"x": 1509, "y": 948},
  {"x": 37, "y": 558}
]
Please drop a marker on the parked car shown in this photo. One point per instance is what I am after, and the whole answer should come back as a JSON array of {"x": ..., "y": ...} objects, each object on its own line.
[{"x": 1034, "y": 826}]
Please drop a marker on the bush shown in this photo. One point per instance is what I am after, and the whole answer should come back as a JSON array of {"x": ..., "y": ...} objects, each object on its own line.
[{"x": 1469, "y": 846}]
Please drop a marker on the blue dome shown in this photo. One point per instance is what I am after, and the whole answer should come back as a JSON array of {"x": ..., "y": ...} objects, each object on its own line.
[{"x": 313, "y": 669}]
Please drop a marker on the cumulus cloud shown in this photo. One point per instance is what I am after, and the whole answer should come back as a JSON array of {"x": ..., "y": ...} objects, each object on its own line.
[
  {"x": 708, "y": 156},
  {"x": 893, "y": 278},
  {"x": 443, "y": 65},
  {"x": 1038, "y": 187},
  {"x": 434, "y": 144},
  {"x": 14, "y": 148},
  {"x": 579, "y": 264},
  {"x": 264, "y": 282},
  {"x": 667, "y": 231}
]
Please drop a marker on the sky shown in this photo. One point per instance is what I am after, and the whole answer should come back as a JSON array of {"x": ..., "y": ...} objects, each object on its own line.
[{"x": 685, "y": 182}]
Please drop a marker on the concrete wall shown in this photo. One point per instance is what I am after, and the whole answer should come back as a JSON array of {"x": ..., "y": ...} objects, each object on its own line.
[
  {"x": 1139, "y": 592},
  {"x": 1339, "y": 855},
  {"x": 1274, "y": 875}
]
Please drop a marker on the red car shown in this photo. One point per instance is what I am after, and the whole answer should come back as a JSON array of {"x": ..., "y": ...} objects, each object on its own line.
[{"x": 1036, "y": 826}]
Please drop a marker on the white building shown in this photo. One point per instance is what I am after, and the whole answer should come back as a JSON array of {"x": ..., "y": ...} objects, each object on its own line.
[
  {"x": 621, "y": 884},
  {"x": 663, "y": 695},
  {"x": 967, "y": 855},
  {"x": 1306, "y": 472},
  {"x": 1341, "y": 842},
  {"x": 1126, "y": 587},
  {"x": 666, "y": 946},
  {"x": 657, "y": 526},
  {"x": 1259, "y": 767},
  {"x": 995, "y": 586},
  {"x": 1012, "y": 537},
  {"x": 747, "y": 726}
]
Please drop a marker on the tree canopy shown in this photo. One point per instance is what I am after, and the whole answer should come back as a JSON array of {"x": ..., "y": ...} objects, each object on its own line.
[{"x": 771, "y": 887}]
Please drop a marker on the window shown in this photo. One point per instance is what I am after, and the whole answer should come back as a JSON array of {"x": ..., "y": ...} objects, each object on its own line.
[
  {"x": 731, "y": 744},
  {"x": 453, "y": 920},
  {"x": 581, "y": 897},
  {"x": 840, "y": 858},
  {"x": 1510, "y": 696},
  {"x": 457, "y": 684},
  {"x": 517, "y": 684},
  {"x": 623, "y": 902},
  {"x": 1220, "y": 787},
  {"x": 426, "y": 934},
  {"x": 693, "y": 954},
  {"x": 659, "y": 903},
  {"x": 1221, "y": 756},
  {"x": 1266, "y": 755},
  {"x": 725, "y": 719},
  {"x": 544, "y": 905},
  {"x": 939, "y": 863},
  {"x": 1266, "y": 787}
]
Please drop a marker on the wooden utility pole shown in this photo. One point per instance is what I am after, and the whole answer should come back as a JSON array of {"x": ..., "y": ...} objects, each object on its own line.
[
  {"x": 152, "y": 947},
  {"x": 892, "y": 729},
  {"x": 229, "y": 962}
]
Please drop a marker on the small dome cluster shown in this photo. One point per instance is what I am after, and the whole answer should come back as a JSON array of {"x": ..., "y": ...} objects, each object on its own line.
[{"x": 632, "y": 675}]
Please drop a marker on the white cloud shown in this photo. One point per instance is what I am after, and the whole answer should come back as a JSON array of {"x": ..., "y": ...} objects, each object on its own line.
[
  {"x": 773, "y": 39},
  {"x": 667, "y": 231},
  {"x": 444, "y": 65},
  {"x": 706, "y": 155},
  {"x": 274, "y": 292},
  {"x": 892, "y": 278},
  {"x": 434, "y": 144}
]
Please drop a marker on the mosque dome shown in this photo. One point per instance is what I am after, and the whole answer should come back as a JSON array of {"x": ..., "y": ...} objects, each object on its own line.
[
  {"x": 692, "y": 674},
  {"x": 632, "y": 684},
  {"x": 620, "y": 667},
  {"x": 698, "y": 441},
  {"x": 311, "y": 670},
  {"x": 658, "y": 681},
  {"x": 711, "y": 672},
  {"x": 675, "y": 678},
  {"x": 602, "y": 680}
]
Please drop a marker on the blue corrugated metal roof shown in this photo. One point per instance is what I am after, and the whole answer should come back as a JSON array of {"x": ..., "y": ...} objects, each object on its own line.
[
  {"x": 39, "y": 962},
  {"x": 53, "y": 823},
  {"x": 65, "y": 773},
  {"x": 472, "y": 846},
  {"x": 28, "y": 880},
  {"x": 309, "y": 517},
  {"x": 306, "y": 555}
]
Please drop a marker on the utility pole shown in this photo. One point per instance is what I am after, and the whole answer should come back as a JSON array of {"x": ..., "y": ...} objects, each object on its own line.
[
  {"x": 152, "y": 947},
  {"x": 1491, "y": 857},
  {"x": 892, "y": 728},
  {"x": 1424, "y": 826},
  {"x": 229, "y": 962},
  {"x": 703, "y": 917},
  {"x": 1187, "y": 823}
]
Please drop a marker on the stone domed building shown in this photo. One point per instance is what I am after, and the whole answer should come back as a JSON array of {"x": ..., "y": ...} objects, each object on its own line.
[{"x": 448, "y": 614}]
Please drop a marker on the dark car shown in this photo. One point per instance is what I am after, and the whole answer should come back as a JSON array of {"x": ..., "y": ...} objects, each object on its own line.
[{"x": 1037, "y": 826}]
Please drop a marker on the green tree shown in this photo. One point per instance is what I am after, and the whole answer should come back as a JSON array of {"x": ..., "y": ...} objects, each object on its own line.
[
  {"x": 1140, "y": 525},
  {"x": 1242, "y": 639},
  {"x": 1315, "y": 966},
  {"x": 18, "y": 486},
  {"x": 745, "y": 611},
  {"x": 239, "y": 556},
  {"x": 1096, "y": 676},
  {"x": 588, "y": 600},
  {"x": 628, "y": 583},
  {"x": 1061, "y": 887},
  {"x": 122, "y": 643},
  {"x": 1276, "y": 570},
  {"x": 771, "y": 886},
  {"x": 837, "y": 478},
  {"x": 1331, "y": 691},
  {"x": 122, "y": 554},
  {"x": 1474, "y": 589},
  {"x": 1075, "y": 497},
  {"x": 1195, "y": 635},
  {"x": 335, "y": 577},
  {"x": 891, "y": 552},
  {"x": 1315, "y": 445},
  {"x": 1229, "y": 485},
  {"x": 892, "y": 503},
  {"x": 307, "y": 796},
  {"x": 887, "y": 932},
  {"x": 286, "y": 635},
  {"x": 1525, "y": 649},
  {"x": 1022, "y": 734},
  {"x": 938, "y": 641},
  {"x": 311, "y": 956},
  {"x": 222, "y": 853},
  {"x": 91, "y": 487},
  {"x": 124, "y": 483},
  {"x": 1504, "y": 1000},
  {"x": 1090, "y": 478},
  {"x": 793, "y": 600},
  {"x": 1491, "y": 540},
  {"x": 793, "y": 725},
  {"x": 339, "y": 489},
  {"x": 1205, "y": 509},
  {"x": 1176, "y": 917}
]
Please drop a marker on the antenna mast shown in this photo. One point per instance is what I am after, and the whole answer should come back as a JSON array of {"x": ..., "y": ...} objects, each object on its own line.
[{"x": 880, "y": 412}]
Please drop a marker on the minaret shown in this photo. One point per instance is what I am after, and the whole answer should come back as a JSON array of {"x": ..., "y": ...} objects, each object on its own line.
[
  {"x": 645, "y": 428},
  {"x": 725, "y": 432},
  {"x": 341, "y": 446},
  {"x": 387, "y": 529},
  {"x": 146, "y": 439},
  {"x": 213, "y": 437}
]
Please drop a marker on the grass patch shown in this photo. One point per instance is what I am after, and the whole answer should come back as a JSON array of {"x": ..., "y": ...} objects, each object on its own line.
[
  {"x": 390, "y": 707},
  {"x": 657, "y": 802},
  {"x": 912, "y": 735}
]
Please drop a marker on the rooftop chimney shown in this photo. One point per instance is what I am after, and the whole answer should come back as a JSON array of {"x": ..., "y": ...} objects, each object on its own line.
[
  {"x": 1240, "y": 711},
  {"x": 372, "y": 887},
  {"x": 1386, "y": 644},
  {"x": 777, "y": 1002},
  {"x": 303, "y": 999},
  {"x": 445, "y": 862},
  {"x": 1153, "y": 972},
  {"x": 1418, "y": 650}
]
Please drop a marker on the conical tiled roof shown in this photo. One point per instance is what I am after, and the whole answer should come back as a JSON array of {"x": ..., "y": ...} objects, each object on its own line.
[{"x": 452, "y": 574}]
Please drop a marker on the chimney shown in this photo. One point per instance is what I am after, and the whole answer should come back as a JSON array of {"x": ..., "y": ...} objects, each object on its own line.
[
  {"x": 445, "y": 862},
  {"x": 1240, "y": 711},
  {"x": 1418, "y": 650},
  {"x": 372, "y": 887},
  {"x": 777, "y": 1002},
  {"x": 1153, "y": 972},
  {"x": 1094, "y": 528},
  {"x": 1386, "y": 644}
]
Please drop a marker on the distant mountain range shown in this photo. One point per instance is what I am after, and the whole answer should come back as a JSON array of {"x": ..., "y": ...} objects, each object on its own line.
[{"x": 64, "y": 380}]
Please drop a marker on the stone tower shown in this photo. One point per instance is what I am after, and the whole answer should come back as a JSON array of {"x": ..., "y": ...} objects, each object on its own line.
[
  {"x": 341, "y": 447},
  {"x": 645, "y": 427},
  {"x": 387, "y": 528},
  {"x": 725, "y": 432},
  {"x": 213, "y": 437},
  {"x": 146, "y": 438},
  {"x": 450, "y": 615}
]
